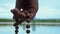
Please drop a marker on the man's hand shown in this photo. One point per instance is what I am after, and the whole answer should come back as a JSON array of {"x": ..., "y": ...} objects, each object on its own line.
[{"x": 18, "y": 13}]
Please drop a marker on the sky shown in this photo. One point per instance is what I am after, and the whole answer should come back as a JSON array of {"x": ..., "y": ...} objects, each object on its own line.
[{"x": 48, "y": 9}]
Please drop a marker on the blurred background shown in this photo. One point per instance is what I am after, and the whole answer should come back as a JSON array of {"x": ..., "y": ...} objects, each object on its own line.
[{"x": 47, "y": 18}]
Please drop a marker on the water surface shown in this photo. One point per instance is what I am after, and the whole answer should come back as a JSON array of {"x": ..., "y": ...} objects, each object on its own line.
[{"x": 35, "y": 29}]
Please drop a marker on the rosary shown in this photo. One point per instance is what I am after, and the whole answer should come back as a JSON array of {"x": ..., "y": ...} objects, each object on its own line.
[
  {"x": 30, "y": 9},
  {"x": 27, "y": 26}
]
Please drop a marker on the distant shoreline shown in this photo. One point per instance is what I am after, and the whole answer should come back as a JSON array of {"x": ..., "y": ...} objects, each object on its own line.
[
  {"x": 37, "y": 20},
  {"x": 31, "y": 23}
]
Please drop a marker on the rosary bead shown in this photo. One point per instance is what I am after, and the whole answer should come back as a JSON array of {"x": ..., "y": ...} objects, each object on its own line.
[
  {"x": 27, "y": 31},
  {"x": 27, "y": 26}
]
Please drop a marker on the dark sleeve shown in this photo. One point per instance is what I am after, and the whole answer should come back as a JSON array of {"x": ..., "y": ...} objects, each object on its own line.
[
  {"x": 34, "y": 8},
  {"x": 18, "y": 4}
]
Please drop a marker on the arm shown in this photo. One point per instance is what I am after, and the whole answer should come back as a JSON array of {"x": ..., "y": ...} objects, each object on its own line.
[{"x": 31, "y": 12}]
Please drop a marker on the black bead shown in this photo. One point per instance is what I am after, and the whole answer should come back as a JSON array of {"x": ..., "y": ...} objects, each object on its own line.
[
  {"x": 16, "y": 30},
  {"x": 16, "y": 27},
  {"x": 28, "y": 21},
  {"x": 27, "y": 31},
  {"x": 27, "y": 26}
]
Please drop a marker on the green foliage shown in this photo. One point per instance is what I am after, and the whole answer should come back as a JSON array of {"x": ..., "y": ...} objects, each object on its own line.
[
  {"x": 37, "y": 20},
  {"x": 46, "y": 20},
  {"x": 7, "y": 20}
]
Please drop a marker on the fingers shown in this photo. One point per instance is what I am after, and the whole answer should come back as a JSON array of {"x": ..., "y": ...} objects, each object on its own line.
[
  {"x": 15, "y": 11},
  {"x": 15, "y": 17},
  {"x": 19, "y": 22}
]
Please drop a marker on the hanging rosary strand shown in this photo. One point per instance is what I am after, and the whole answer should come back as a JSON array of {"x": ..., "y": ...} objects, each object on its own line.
[
  {"x": 16, "y": 29},
  {"x": 27, "y": 26}
]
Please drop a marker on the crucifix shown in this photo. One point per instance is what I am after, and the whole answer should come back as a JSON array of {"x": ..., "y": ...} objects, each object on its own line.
[{"x": 25, "y": 10}]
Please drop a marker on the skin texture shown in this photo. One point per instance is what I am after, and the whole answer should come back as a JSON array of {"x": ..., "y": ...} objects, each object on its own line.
[{"x": 29, "y": 11}]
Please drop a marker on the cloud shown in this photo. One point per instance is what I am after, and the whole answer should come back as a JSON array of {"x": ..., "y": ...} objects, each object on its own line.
[
  {"x": 10, "y": 5},
  {"x": 47, "y": 9},
  {"x": 48, "y": 13},
  {"x": 6, "y": 15},
  {"x": 50, "y": 3},
  {"x": 5, "y": 12},
  {"x": 5, "y": 7}
]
